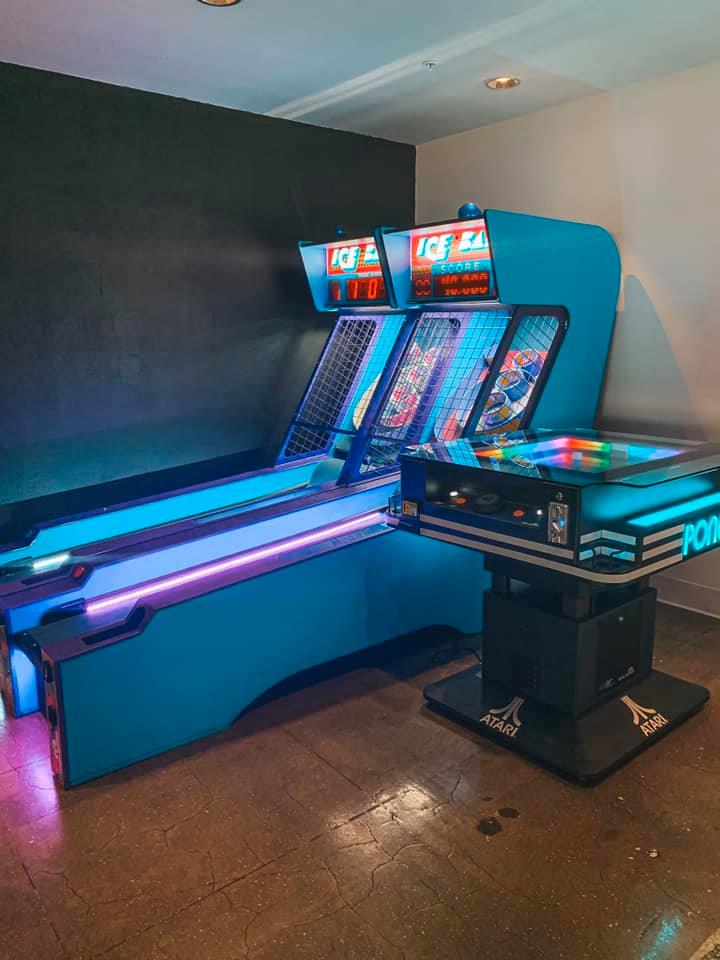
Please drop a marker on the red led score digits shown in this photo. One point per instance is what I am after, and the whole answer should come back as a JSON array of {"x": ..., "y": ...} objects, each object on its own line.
[
  {"x": 451, "y": 285},
  {"x": 357, "y": 290},
  {"x": 366, "y": 288},
  {"x": 462, "y": 284}
]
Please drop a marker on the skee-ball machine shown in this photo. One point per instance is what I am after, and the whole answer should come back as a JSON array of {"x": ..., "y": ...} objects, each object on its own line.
[
  {"x": 111, "y": 549},
  {"x": 166, "y": 660},
  {"x": 572, "y": 523},
  {"x": 378, "y": 368}
]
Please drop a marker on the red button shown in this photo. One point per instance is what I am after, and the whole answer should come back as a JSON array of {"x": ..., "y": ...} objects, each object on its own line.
[
  {"x": 518, "y": 513},
  {"x": 460, "y": 500}
]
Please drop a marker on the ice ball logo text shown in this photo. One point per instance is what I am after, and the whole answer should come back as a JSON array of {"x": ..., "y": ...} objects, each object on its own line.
[
  {"x": 352, "y": 257},
  {"x": 437, "y": 247}
]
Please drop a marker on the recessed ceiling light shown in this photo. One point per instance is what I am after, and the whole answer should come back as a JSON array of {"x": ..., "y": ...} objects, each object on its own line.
[
  {"x": 502, "y": 83},
  {"x": 220, "y": 3}
]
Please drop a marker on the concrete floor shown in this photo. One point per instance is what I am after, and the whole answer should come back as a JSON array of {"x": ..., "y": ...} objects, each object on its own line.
[{"x": 343, "y": 820}]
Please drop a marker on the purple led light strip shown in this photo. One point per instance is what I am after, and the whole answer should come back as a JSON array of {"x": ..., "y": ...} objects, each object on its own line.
[{"x": 233, "y": 563}]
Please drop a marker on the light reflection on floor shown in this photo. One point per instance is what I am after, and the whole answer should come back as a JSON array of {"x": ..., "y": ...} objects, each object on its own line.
[
  {"x": 662, "y": 947},
  {"x": 27, "y": 787}
]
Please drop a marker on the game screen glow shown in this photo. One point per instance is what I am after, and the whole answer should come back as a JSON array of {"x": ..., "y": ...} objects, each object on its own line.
[
  {"x": 354, "y": 273},
  {"x": 579, "y": 453},
  {"x": 451, "y": 262}
]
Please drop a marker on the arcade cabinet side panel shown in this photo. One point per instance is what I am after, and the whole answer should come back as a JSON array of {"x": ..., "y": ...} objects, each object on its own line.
[
  {"x": 196, "y": 665},
  {"x": 572, "y": 265}
]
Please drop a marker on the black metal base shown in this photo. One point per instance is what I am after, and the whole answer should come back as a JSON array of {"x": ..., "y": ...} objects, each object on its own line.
[{"x": 585, "y": 748}]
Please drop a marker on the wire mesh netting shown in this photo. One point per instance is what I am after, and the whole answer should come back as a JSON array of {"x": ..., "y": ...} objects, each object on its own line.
[
  {"x": 519, "y": 374},
  {"x": 433, "y": 393},
  {"x": 344, "y": 382}
]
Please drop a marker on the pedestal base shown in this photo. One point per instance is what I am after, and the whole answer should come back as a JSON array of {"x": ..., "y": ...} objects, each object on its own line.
[{"x": 585, "y": 748}]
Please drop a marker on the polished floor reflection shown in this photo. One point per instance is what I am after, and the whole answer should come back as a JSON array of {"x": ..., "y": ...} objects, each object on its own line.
[{"x": 343, "y": 820}]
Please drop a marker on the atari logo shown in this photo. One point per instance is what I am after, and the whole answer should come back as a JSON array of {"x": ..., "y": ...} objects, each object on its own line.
[
  {"x": 647, "y": 718},
  {"x": 505, "y": 720}
]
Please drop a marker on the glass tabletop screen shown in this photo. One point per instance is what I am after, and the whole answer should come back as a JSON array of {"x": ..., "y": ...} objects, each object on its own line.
[
  {"x": 581, "y": 454},
  {"x": 575, "y": 457}
]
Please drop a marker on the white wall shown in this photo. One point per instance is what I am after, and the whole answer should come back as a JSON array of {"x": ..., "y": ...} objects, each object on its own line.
[{"x": 645, "y": 163}]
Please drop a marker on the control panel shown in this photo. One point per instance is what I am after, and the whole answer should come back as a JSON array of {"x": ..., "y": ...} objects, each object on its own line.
[
  {"x": 527, "y": 508},
  {"x": 486, "y": 503}
]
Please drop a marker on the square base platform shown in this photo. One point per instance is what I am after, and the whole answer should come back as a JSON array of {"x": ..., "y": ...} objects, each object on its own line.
[{"x": 585, "y": 748}]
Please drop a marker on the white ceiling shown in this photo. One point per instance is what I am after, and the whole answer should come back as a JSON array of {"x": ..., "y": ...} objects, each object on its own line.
[{"x": 357, "y": 64}]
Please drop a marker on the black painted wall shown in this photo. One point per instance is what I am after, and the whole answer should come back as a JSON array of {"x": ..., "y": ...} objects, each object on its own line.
[{"x": 153, "y": 309}]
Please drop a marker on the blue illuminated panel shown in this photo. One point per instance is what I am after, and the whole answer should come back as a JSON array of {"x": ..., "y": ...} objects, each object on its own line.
[
  {"x": 675, "y": 513},
  {"x": 25, "y": 687}
]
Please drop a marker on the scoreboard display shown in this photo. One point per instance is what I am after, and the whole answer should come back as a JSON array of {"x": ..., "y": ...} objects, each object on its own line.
[
  {"x": 354, "y": 274},
  {"x": 451, "y": 262}
]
